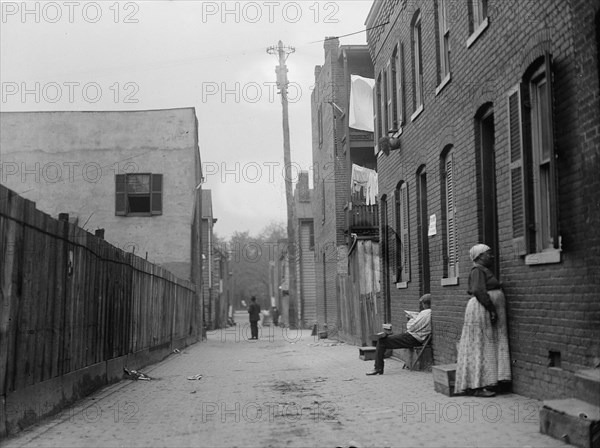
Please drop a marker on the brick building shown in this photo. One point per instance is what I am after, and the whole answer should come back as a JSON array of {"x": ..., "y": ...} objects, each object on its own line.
[
  {"x": 495, "y": 105},
  {"x": 335, "y": 148}
]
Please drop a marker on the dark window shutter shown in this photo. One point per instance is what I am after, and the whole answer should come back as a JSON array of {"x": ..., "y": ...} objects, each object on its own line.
[
  {"x": 450, "y": 221},
  {"x": 394, "y": 83},
  {"x": 120, "y": 195},
  {"x": 400, "y": 84},
  {"x": 405, "y": 234},
  {"x": 156, "y": 194},
  {"x": 382, "y": 103},
  {"x": 389, "y": 98},
  {"x": 550, "y": 127},
  {"x": 397, "y": 245},
  {"x": 375, "y": 118},
  {"x": 516, "y": 168}
]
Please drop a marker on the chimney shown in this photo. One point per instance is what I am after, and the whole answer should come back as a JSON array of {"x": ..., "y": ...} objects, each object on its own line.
[
  {"x": 303, "y": 191},
  {"x": 331, "y": 44}
]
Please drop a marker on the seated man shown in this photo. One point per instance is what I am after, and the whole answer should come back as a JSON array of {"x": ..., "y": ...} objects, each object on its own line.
[{"x": 418, "y": 328}]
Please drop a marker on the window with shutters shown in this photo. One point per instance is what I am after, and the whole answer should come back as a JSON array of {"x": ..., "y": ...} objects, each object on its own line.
[
  {"x": 449, "y": 218},
  {"x": 377, "y": 116},
  {"x": 402, "y": 236},
  {"x": 138, "y": 194},
  {"x": 443, "y": 45},
  {"x": 533, "y": 166},
  {"x": 417, "y": 66},
  {"x": 478, "y": 19},
  {"x": 390, "y": 96},
  {"x": 398, "y": 67},
  {"x": 383, "y": 102}
]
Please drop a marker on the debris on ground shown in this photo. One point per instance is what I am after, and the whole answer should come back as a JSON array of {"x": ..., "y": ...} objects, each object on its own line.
[
  {"x": 326, "y": 344},
  {"x": 176, "y": 351},
  {"x": 195, "y": 377},
  {"x": 135, "y": 375},
  {"x": 319, "y": 380}
]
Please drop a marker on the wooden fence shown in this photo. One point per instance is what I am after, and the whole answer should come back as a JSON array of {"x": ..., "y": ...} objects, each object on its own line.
[{"x": 69, "y": 299}]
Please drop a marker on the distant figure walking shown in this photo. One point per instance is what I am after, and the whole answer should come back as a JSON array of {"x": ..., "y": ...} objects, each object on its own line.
[
  {"x": 254, "y": 311},
  {"x": 275, "y": 316}
]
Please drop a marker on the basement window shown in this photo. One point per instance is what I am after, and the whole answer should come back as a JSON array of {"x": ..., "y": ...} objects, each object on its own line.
[{"x": 554, "y": 359}]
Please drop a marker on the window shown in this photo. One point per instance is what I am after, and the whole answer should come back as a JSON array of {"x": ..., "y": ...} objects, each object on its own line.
[
  {"x": 383, "y": 95},
  {"x": 478, "y": 13},
  {"x": 417, "y": 64},
  {"x": 478, "y": 19},
  {"x": 390, "y": 94},
  {"x": 443, "y": 41},
  {"x": 311, "y": 235},
  {"x": 138, "y": 194},
  {"x": 398, "y": 59},
  {"x": 532, "y": 166},
  {"x": 449, "y": 214},
  {"x": 402, "y": 235},
  {"x": 320, "y": 124}
]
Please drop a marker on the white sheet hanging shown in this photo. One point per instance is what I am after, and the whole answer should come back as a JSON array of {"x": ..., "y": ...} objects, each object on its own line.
[{"x": 361, "y": 103}]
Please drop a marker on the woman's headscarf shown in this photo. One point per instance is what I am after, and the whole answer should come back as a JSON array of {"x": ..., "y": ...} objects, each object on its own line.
[{"x": 477, "y": 250}]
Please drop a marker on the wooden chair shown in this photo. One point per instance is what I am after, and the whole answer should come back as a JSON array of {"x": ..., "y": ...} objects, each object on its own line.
[{"x": 420, "y": 349}]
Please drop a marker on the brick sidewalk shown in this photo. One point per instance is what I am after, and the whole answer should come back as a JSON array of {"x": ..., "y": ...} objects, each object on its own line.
[{"x": 289, "y": 390}]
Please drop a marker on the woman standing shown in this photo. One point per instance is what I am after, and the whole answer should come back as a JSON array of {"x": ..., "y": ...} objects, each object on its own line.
[{"x": 483, "y": 355}]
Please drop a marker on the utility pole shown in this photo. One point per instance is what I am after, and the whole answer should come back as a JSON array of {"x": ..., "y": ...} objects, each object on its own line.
[{"x": 282, "y": 83}]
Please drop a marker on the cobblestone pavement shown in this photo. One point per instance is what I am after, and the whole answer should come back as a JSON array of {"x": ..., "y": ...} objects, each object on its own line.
[{"x": 287, "y": 389}]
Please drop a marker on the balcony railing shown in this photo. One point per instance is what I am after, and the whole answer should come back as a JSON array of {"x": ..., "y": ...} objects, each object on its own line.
[{"x": 363, "y": 218}]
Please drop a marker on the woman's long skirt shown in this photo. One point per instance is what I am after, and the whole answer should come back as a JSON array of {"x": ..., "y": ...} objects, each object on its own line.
[{"x": 483, "y": 355}]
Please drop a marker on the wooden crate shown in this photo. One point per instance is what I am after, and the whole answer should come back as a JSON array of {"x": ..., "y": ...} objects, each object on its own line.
[
  {"x": 366, "y": 353},
  {"x": 443, "y": 378},
  {"x": 571, "y": 420}
]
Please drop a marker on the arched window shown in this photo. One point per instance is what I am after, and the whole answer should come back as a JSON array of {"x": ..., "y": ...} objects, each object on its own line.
[
  {"x": 534, "y": 200},
  {"x": 417, "y": 62},
  {"x": 449, "y": 217},
  {"x": 402, "y": 237}
]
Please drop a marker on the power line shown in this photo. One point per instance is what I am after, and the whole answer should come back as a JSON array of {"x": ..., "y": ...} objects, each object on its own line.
[{"x": 349, "y": 34}]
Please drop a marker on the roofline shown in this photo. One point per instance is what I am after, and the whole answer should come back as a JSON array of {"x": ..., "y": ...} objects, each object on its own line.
[
  {"x": 353, "y": 51},
  {"x": 373, "y": 12},
  {"x": 193, "y": 108},
  {"x": 360, "y": 47}
]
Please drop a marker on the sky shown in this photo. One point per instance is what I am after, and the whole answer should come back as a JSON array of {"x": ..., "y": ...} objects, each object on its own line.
[{"x": 108, "y": 55}]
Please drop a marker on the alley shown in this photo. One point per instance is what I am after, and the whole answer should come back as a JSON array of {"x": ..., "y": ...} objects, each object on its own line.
[{"x": 286, "y": 389}]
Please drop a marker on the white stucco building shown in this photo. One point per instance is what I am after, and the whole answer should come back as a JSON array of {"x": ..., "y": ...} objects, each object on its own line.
[{"x": 136, "y": 174}]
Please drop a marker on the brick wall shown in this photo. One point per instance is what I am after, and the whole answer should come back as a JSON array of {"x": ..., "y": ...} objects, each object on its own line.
[
  {"x": 324, "y": 185},
  {"x": 551, "y": 307},
  {"x": 331, "y": 160}
]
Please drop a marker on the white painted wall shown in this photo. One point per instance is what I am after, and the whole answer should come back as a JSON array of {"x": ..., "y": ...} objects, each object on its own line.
[{"x": 67, "y": 162}]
